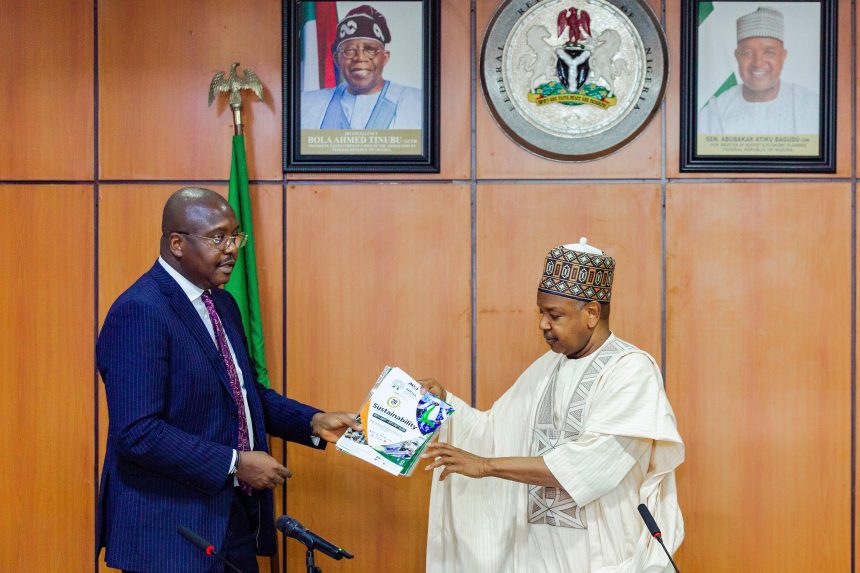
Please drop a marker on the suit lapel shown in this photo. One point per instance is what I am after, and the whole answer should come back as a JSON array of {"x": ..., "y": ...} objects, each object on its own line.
[{"x": 187, "y": 314}]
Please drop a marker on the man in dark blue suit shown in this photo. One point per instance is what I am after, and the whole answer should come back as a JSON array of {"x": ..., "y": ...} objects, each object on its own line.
[{"x": 188, "y": 421}]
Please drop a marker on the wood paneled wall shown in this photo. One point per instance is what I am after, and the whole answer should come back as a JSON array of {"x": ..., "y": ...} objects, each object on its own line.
[
  {"x": 376, "y": 275},
  {"x": 742, "y": 286},
  {"x": 759, "y": 370},
  {"x": 46, "y": 325}
]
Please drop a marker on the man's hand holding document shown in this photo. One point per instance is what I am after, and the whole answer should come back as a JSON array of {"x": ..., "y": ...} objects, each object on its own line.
[{"x": 398, "y": 420}]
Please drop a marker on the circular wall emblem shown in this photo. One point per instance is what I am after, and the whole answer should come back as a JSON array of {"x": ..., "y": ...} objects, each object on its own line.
[{"x": 573, "y": 80}]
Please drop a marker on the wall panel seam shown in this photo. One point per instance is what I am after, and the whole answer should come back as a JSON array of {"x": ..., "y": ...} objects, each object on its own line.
[
  {"x": 473, "y": 203},
  {"x": 853, "y": 305},
  {"x": 663, "y": 207},
  {"x": 96, "y": 191},
  {"x": 284, "y": 348}
]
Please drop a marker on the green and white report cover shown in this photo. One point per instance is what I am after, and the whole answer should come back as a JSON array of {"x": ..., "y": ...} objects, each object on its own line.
[{"x": 399, "y": 420}]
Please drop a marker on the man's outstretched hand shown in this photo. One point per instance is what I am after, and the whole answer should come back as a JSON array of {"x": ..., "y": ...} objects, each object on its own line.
[
  {"x": 331, "y": 425},
  {"x": 432, "y": 385},
  {"x": 455, "y": 461}
]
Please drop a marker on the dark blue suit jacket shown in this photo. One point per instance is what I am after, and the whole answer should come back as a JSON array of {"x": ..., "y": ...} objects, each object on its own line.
[{"x": 173, "y": 428}]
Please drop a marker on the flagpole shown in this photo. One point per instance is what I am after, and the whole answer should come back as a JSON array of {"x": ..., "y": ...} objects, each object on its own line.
[
  {"x": 238, "y": 128},
  {"x": 243, "y": 284}
]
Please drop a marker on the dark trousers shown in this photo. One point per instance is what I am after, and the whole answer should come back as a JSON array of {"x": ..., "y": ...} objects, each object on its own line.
[{"x": 239, "y": 543}]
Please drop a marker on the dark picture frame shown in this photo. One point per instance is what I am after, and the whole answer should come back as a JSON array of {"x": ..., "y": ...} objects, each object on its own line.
[
  {"x": 712, "y": 137},
  {"x": 324, "y": 140}
]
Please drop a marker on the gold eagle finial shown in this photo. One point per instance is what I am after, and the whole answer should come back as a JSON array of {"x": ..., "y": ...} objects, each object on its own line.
[{"x": 234, "y": 85}]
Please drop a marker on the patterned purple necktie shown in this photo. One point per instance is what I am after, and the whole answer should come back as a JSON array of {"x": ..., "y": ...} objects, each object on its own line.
[{"x": 244, "y": 443}]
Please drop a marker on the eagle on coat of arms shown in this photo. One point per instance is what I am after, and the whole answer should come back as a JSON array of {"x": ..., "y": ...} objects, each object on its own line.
[{"x": 577, "y": 69}]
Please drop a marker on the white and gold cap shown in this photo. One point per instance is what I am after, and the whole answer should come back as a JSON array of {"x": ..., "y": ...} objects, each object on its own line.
[{"x": 763, "y": 23}]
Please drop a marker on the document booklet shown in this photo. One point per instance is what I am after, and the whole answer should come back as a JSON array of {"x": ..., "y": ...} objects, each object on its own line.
[{"x": 398, "y": 420}]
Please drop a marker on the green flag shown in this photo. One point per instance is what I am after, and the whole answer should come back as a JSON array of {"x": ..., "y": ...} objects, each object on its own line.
[{"x": 243, "y": 282}]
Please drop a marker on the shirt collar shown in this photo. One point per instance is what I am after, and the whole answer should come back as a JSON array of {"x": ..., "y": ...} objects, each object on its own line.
[{"x": 191, "y": 290}]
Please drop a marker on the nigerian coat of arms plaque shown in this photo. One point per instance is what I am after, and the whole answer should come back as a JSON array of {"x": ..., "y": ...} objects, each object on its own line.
[{"x": 573, "y": 80}]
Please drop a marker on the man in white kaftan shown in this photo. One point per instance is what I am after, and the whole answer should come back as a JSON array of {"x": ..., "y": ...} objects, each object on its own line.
[
  {"x": 567, "y": 454},
  {"x": 763, "y": 104},
  {"x": 793, "y": 111}
]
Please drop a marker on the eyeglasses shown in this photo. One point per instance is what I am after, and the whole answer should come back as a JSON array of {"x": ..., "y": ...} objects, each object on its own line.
[
  {"x": 350, "y": 53},
  {"x": 222, "y": 242}
]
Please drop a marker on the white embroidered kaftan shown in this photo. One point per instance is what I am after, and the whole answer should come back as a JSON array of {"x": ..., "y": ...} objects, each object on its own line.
[{"x": 626, "y": 455}]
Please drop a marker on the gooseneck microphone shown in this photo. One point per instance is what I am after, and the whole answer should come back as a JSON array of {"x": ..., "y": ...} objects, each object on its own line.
[
  {"x": 204, "y": 545},
  {"x": 655, "y": 531},
  {"x": 292, "y": 528}
]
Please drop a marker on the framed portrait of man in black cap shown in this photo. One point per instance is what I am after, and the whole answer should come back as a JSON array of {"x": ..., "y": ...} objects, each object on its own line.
[
  {"x": 758, "y": 86},
  {"x": 361, "y": 88}
]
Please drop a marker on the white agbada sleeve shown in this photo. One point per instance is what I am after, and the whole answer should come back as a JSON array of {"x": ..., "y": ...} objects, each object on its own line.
[
  {"x": 629, "y": 400},
  {"x": 479, "y": 524},
  {"x": 595, "y": 464}
]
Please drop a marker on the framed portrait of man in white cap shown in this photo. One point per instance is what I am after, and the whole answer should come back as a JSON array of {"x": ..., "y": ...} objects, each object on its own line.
[
  {"x": 758, "y": 86},
  {"x": 361, "y": 87}
]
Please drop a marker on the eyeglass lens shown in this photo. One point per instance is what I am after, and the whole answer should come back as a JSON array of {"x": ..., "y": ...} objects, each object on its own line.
[{"x": 369, "y": 51}]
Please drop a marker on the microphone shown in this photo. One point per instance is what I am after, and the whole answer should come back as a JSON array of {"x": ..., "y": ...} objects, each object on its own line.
[
  {"x": 204, "y": 545},
  {"x": 292, "y": 528},
  {"x": 655, "y": 531},
  {"x": 649, "y": 522}
]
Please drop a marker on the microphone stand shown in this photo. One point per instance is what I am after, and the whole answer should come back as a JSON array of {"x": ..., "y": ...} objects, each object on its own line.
[
  {"x": 310, "y": 561},
  {"x": 660, "y": 539}
]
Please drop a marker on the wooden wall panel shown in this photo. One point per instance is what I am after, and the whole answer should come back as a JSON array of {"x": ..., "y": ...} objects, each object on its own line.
[
  {"x": 454, "y": 107},
  {"x": 500, "y": 158},
  {"x": 376, "y": 275},
  {"x": 134, "y": 211},
  {"x": 856, "y": 349},
  {"x": 856, "y": 127},
  {"x": 844, "y": 155},
  {"x": 156, "y": 60},
  {"x": 46, "y": 335},
  {"x": 759, "y": 374},
  {"x": 47, "y": 87},
  {"x": 518, "y": 225}
]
